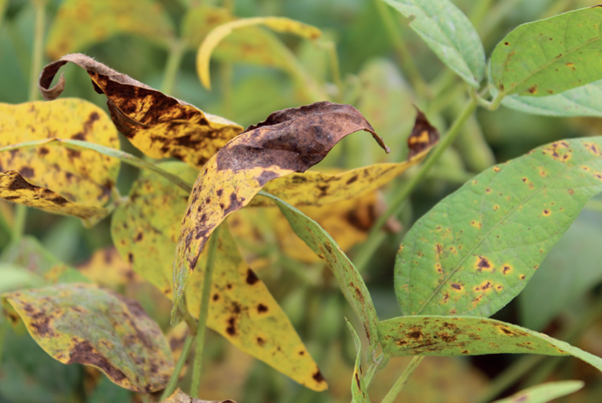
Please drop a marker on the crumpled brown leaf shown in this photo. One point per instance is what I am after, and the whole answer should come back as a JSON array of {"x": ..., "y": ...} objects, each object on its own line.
[
  {"x": 291, "y": 140},
  {"x": 159, "y": 125}
]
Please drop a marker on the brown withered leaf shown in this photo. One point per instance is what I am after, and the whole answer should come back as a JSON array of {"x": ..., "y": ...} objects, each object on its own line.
[
  {"x": 157, "y": 124},
  {"x": 291, "y": 140},
  {"x": 424, "y": 136}
]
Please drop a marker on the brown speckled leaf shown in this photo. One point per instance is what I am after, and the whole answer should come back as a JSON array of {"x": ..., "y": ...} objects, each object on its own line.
[
  {"x": 159, "y": 125},
  {"x": 291, "y": 140},
  {"x": 181, "y": 397},
  {"x": 81, "y": 323}
]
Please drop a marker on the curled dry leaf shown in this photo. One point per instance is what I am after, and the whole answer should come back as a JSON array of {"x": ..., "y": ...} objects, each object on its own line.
[
  {"x": 181, "y": 397},
  {"x": 291, "y": 140},
  {"x": 157, "y": 124},
  {"x": 81, "y": 323},
  {"x": 317, "y": 189}
]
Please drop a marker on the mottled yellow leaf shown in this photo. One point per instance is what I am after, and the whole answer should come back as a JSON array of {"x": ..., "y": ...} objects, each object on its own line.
[
  {"x": 279, "y": 24},
  {"x": 181, "y": 397},
  {"x": 82, "y": 23},
  {"x": 106, "y": 268},
  {"x": 157, "y": 124},
  {"x": 241, "y": 307},
  {"x": 81, "y": 323}
]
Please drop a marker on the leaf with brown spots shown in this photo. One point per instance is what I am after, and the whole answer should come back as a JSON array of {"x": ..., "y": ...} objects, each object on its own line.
[
  {"x": 288, "y": 141},
  {"x": 359, "y": 391},
  {"x": 317, "y": 189},
  {"x": 181, "y": 397},
  {"x": 82, "y": 23},
  {"x": 544, "y": 393},
  {"x": 241, "y": 307},
  {"x": 477, "y": 249},
  {"x": 81, "y": 323},
  {"x": 549, "y": 56},
  {"x": 157, "y": 124},
  {"x": 106, "y": 268},
  {"x": 453, "y": 336},
  {"x": 350, "y": 281},
  {"x": 81, "y": 177}
]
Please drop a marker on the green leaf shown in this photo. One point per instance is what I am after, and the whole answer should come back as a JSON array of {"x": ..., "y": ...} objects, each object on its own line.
[
  {"x": 447, "y": 336},
  {"x": 449, "y": 33},
  {"x": 14, "y": 278},
  {"x": 359, "y": 391},
  {"x": 350, "y": 281},
  {"x": 544, "y": 393},
  {"x": 81, "y": 323},
  {"x": 550, "y": 56},
  {"x": 478, "y": 248}
]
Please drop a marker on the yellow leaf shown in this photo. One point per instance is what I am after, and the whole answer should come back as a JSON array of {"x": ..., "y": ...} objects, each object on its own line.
[
  {"x": 279, "y": 24},
  {"x": 157, "y": 124},
  {"x": 108, "y": 269},
  {"x": 81, "y": 23}
]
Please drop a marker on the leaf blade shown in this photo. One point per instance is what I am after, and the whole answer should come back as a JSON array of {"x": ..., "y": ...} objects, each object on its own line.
[{"x": 545, "y": 392}]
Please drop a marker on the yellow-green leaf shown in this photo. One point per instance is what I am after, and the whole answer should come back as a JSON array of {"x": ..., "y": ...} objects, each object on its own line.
[
  {"x": 359, "y": 391},
  {"x": 159, "y": 125},
  {"x": 181, "y": 397},
  {"x": 241, "y": 307},
  {"x": 82, "y": 23},
  {"x": 280, "y": 24},
  {"x": 81, "y": 323},
  {"x": 544, "y": 393}
]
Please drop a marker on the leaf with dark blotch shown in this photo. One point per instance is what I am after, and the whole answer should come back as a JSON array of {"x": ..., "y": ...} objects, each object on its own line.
[
  {"x": 159, "y": 125},
  {"x": 544, "y": 393},
  {"x": 17, "y": 190},
  {"x": 81, "y": 323},
  {"x": 291, "y": 140},
  {"x": 181, "y": 397},
  {"x": 447, "y": 336},
  {"x": 317, "y": 189}
]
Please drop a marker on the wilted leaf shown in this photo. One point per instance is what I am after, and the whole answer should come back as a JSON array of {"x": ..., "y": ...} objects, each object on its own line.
[
  {"x": 79, "y": 24},
  {"x": 80, "y": 176},
  {"x": 313, "y": 188},
  {"x": 544, "y": 393},
  {"x": 350, "y": 281},
  {"x": 549, "y": 56},
  {"x": 280, "y": 24},
  {"x": 87, "y": 325},
  {"x": 449, "y": 33},
  {"x": 106, "y": 268},
  {"x": 451, "y": 336},
  {"x": 242, "y": 308},
  {"x": 16, "y": 189},
  {"x": 181, "y": 397},
  {"x": 159, "y": 125},
  {"x": 478, "y": 248},
  {"x": 359, "y": 391},
  {"x": 291, "y": 140}
]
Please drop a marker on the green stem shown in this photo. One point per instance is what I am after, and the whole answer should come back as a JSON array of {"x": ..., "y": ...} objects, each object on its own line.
[
  {"x": 200, "y": 337},
  {"x": 479, "y": 11},
  {"x": 495, "y": 16},
  {"x": 407, "y": 60},
  {"x": 191, "y": 322},
  {"x": 403, "y": 379},
  {"x": 374, "y": 237},
  {"x": 173, "y": 381},
  {"x": 19, "y": 224},
  {"x": 334, "y": 67},
  {"x": 38, "y": 51},
  {"x": 309, "y": 87},
  {"x": 174, "y": 59}
]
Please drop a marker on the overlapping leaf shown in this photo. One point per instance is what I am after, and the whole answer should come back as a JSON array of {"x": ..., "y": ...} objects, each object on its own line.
[
  {"x": 451, "y": 336},
  {"x": 544, "y": 393},
  {"x": 181, "y": 397},
  {"x": 478, "y": 248},
  {"x": 159, "y": 125},
  {"x": 241, "y": 307},
  {"x": 81, "y": 23},
  {"x": 80, "y": 323},
  {"x": 288, "y": 141},
  {"x": 359, "y": 391},
  {"x": 449, "y": 33},
  {"x": 550, "y": 56},
  {"x": 106, "y": 268},
  {"x": 75, "y": 182}
]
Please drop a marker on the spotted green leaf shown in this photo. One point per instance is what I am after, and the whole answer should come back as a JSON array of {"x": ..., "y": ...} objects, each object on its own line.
[
  {"x": 478, "y": 248},
  {"x": 359, "y": 391},
  {"x": 544, "y": 393},
  {"x": 81, "y": 323},
  {"x": 449, "y": 33},
  {"x": 447, "y": 336},
  {"x": 350, "y": 281},
  {"x": 550, "y": 56}
]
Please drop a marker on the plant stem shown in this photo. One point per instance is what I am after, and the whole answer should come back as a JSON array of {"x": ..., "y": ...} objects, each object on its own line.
[
  {"x": 307, "y": 85},
  {"x": 495, "y": 15},
  {"x": 19, "y": 225},
  {"x": 36, "y": 58},
  {"x": 374, "y": 237},
  {"x": 173, "y": 381},
  {"x": 174, "y": 59},
  {"x": 334, "y": 67},
  {"x": 146, "y": 398},
  {"x": 200, "y": 337},
  {"x": 403, "y": 379}
]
